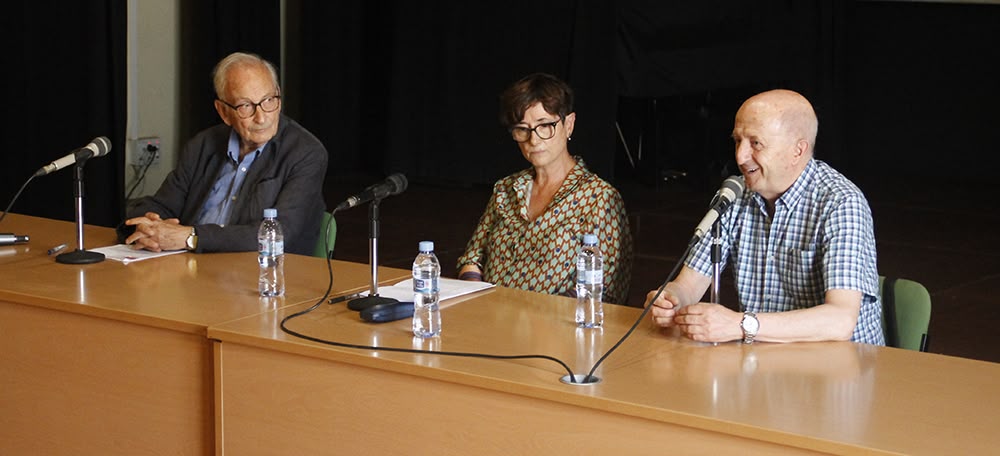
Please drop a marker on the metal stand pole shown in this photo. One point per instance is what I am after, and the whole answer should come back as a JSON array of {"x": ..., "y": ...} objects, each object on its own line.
[
  {"x": 373, "y": 233},
  {"x": 716, "y": 261},
  {"x": 79, "y": 256}
]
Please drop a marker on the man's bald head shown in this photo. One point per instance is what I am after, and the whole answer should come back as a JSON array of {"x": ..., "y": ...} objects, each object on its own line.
[{"x": 787, "y": 112}]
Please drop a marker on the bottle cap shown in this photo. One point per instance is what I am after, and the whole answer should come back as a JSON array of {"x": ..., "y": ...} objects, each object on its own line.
[
  {"x": 589, "y": 239},
  {"x": 426, "y": 246},
  {"x": 270, "y": 213}
]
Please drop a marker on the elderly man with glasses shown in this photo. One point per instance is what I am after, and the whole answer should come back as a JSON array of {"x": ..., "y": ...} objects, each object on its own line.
[{"x": 214, "y": 200}]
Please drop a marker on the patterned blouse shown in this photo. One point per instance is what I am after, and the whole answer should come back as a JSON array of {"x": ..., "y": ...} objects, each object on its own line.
[{"x": 540, "y": 255}]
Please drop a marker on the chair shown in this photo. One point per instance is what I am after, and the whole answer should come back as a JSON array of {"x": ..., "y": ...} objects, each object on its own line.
[
  {"x": 906, "y": 313},
  {"x": 329, "y": 226}
]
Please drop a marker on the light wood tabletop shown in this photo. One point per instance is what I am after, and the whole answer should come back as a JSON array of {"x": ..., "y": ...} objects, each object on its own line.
[
  {"x": 833, "y": 397},
  {"x": 113, "y": 358},
  {"x": 184, "y": 292}
]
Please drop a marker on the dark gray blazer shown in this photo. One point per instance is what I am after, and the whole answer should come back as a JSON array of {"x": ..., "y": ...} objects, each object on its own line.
[{"x": 288, "y": 175}]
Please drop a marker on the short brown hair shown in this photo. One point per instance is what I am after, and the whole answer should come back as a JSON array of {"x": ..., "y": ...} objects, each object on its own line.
[{"x": 554, "y": 95}]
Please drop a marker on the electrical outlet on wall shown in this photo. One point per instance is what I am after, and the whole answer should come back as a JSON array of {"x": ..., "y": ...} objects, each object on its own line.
[{"x": 142, "y": 151}]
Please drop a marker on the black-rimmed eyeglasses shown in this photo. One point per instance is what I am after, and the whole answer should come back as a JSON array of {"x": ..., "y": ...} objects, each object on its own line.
[
  {"x": 247, "y": 110},
  {"x": 544, "y": 131}
]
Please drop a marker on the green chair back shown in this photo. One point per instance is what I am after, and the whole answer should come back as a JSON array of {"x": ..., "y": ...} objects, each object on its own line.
[
  {"x": 906, "y": 313},
  {"x": 329, "y": 228}
]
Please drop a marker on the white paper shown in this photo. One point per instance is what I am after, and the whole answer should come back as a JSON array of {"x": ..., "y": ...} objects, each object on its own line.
[
  {"x": 126, "y": 254},
  {"x": 447, "y": 288}
]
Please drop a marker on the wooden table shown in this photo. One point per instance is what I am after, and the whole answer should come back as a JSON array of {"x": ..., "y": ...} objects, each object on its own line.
[
  {"x": 659, "y": 394},
  {"x": 110, "y": 358}
]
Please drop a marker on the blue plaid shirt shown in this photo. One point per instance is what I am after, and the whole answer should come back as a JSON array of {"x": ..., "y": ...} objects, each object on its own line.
[{"x": 820, "y": 238}]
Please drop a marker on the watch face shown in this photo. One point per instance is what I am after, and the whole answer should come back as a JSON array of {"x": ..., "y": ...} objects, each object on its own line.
[{"x": 750, "y": 324}]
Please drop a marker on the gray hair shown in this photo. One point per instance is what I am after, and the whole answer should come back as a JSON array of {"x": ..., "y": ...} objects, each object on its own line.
[{"x": 239, "y": 59}]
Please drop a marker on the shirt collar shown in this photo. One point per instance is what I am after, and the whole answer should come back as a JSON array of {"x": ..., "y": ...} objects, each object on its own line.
[
  {"x": 523, "y": 182},
  {"x": 233, "y": 149},
  {"x": 578, "y": 172},
  {"x": 800, "y": 187}
]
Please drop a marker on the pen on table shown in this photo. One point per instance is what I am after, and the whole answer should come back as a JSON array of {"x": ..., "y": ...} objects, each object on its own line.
[
  {"x": 344, "y": 298},
  {"x": 57, "y": 249}
]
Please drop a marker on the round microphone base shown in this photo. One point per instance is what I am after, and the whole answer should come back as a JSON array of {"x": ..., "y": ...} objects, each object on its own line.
[
  {"x": 368, "y": 301},
  {"x": 80, "y": 257},
  {"x": 580, "y": 380}
]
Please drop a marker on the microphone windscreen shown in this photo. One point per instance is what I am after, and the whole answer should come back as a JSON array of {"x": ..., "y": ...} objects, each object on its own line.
[
  {"x": 397, "y": 182},
  {"x": 103, "y": 145},
  {"x": 735, "y": 185}
]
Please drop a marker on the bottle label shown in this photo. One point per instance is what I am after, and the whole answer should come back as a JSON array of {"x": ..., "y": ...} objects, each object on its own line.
[
  {"x": 425, "y": 285},
  {"x": 590, "y": 277},
  {"x": 271, "y": 248}
]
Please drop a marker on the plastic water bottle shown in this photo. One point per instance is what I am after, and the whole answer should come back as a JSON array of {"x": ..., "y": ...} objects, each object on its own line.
[
  {"x": 426, "y": 275},
  {"x": 271, "y": 255},
  {"x": 589, "y": 284}
]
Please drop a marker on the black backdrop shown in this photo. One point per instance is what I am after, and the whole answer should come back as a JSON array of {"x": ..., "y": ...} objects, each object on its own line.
[
  {"x": 64, "y": 69},
  {"x": 412, "y": 86},
  {"x": 901, "y": 88}
]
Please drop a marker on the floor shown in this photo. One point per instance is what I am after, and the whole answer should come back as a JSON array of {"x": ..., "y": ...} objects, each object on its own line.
[{"x": 931, "y": 231}]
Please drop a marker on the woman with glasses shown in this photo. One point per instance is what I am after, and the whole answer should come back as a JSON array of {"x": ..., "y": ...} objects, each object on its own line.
[
  {"x": 533, "y": 226},
  {"x": 257, "y": 158}
]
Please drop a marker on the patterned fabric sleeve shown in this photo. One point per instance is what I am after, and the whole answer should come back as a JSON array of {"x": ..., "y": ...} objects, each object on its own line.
[
  {"x": 616, "y": 245},
  {"x": 849, "y": 262},
  {"x": 848, "y": 250},
  {"x": 475, "y": 249}
]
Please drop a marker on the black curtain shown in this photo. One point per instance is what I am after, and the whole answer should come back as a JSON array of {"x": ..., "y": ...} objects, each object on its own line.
[
  {"x": 685, "y": 68},
  {"x": 924, "y": 91},
  {"x": 65, "y": 86},
  {"x": 412, "y": 86},
  {"x": 211, "y": 30}
]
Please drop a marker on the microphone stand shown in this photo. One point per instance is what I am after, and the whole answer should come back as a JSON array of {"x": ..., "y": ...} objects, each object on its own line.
[
  {"x": 79, "y": 256},
  {"x": 716, "y": 261},
  {"x": 716, "y": 264},
  {"x": 373, "y": 298}
]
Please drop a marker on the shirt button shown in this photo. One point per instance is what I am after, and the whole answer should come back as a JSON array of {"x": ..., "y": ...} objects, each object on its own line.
[{"x": 243, "y": 169}]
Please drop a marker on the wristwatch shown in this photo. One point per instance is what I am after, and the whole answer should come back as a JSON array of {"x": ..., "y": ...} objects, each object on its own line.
[
  {"x": 749, "y": 325},
  {"x": 192, "y": 240}
]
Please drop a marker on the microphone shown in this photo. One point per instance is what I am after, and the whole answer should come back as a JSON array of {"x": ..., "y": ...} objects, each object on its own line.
[
  {"x": 731, "y": 190},
  {"x": 97, "y": 148},
  {"x": 393, "y": 185},
  {"x": 11, "y": 238}
]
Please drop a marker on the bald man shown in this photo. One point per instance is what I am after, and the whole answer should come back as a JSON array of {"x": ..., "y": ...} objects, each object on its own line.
[{"x": 800, "y": 241}]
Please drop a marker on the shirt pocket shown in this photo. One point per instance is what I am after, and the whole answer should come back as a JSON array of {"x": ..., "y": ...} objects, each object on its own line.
[{"x": 801, "y": 276}]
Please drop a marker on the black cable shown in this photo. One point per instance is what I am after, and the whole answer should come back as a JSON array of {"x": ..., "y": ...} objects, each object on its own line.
[
  {"x": 645, "y": 311},
  {"x": 393, "y": 349},
  {"x": 7, "y": 211},
  {"x": 142, "y": 174},
  {"x": 410, "y": 350}
]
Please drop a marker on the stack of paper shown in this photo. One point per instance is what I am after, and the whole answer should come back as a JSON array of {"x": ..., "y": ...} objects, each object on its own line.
[
  {"x": 448, "y": 288},
  {"x": 126, "y": 254}
]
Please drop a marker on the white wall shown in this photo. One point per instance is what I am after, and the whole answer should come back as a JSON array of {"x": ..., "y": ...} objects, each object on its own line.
[{"x": 153, "y": 98}]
